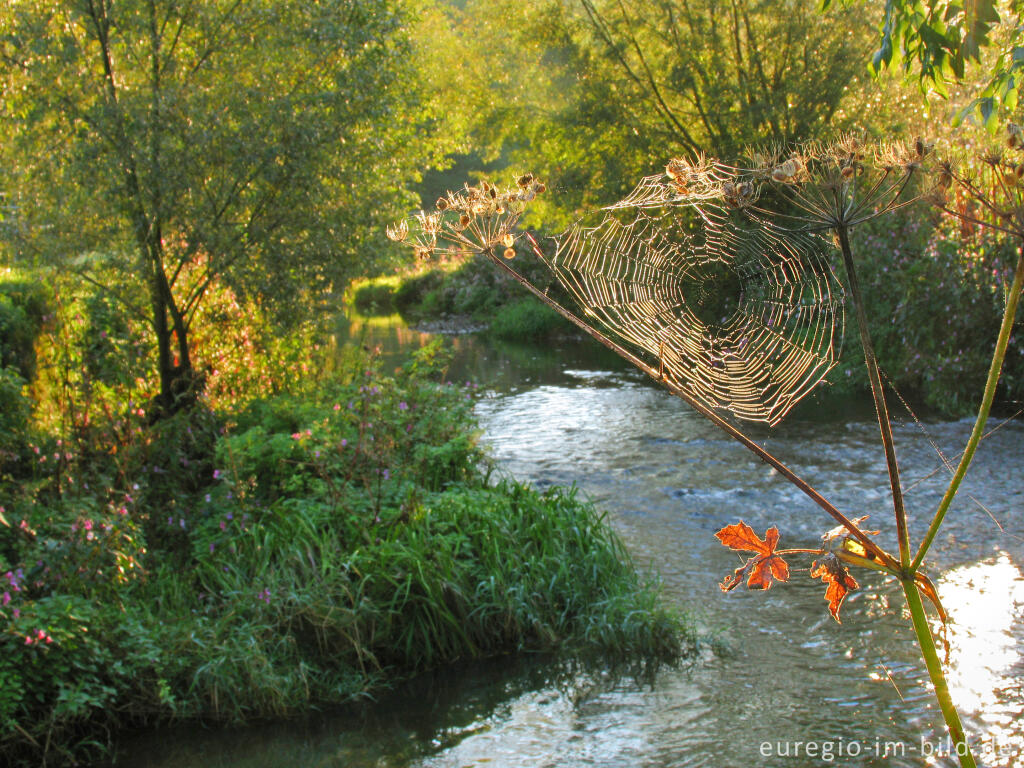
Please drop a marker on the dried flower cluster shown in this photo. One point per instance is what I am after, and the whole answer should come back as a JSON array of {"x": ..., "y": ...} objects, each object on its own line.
[
  {"x": 474, "y": 220},
  {"x": 840, "y": 182},
  {"x": 989, "y": 193}
]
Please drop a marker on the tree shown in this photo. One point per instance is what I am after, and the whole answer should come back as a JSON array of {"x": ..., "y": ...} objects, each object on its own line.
[
  {"x": 255, "y": 142},
  {"x": 593, "y": 93},
  {"x": 938, "y": 38}
]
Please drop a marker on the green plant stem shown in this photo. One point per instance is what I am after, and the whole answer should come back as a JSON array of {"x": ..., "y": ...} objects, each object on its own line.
[
  {"x": 938, "y": 678},
  {"x": 998, "y": 355},
  {"x": 877, "y": 393}
]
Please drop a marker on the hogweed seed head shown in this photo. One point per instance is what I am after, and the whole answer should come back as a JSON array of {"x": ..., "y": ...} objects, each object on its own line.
[{"x": 474, "y": 220}]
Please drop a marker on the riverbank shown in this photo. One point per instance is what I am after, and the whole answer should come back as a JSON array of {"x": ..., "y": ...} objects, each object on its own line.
[{"x": 301, "y": 543}]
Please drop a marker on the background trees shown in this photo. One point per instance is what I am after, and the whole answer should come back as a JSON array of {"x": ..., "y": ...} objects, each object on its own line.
[
  {"x": 159, "y": 146},
  {"x": 593, "y": 94}
]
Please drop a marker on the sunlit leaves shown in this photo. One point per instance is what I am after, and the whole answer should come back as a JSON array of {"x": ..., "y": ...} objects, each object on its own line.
[
  {"x": 838, "y": 579},
  {"x": 761, "y": 569},
  {"x": 936, "y": 39}
]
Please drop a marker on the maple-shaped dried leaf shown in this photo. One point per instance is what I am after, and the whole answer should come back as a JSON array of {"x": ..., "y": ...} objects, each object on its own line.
[
  {"x": 841, "y": 530},
  {"x": 760, "y": 569},
  {"x": 838, "y": 579}
]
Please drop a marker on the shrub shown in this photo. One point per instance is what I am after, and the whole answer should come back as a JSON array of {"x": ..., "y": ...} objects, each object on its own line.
[
  {"x": 306, "y": 548},
  {"x": 23, "y": 311},
  {"x": 936, "y": 296},
  {"x": 526, "y": 319},
  {"x": 374, "y": 298}
]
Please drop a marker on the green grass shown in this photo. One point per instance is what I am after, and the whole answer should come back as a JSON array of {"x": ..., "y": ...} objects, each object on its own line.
[
  {"x": 303, "y": 549},
  {"x": 526, "y": 319}
]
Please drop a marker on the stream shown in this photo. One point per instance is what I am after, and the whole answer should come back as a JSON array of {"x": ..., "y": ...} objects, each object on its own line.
[{"x": 786, "y": 685}]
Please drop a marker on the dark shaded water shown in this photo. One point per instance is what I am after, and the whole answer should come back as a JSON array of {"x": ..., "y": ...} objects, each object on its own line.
[{"x": 796, "y": 689}]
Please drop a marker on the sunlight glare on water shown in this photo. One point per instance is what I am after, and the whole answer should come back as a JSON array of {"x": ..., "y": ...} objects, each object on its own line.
[{"x": 986, "y": 606}]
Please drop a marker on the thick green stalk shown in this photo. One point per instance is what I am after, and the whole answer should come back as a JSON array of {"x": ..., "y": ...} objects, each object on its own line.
[
  {"x": 998, "y": 355},
  {"x": 879, "y": 396},
  {"x": 934, "y": 665}
]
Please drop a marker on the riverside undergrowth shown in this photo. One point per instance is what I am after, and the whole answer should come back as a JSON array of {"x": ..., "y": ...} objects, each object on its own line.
[{"x": 312, "y": 531}]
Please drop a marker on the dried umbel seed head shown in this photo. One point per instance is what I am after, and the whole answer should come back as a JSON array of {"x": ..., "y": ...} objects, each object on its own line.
[
  {"x": 442, "y": 204},
  {"x": 737, "y": 195},
  {"x": 945, "y": 176},
  {"x": 540, "y": 188},
  {"x": 430, "y": 223},
  {"x": 1014, "y": 136},
  {"x": 510, "y": 253},
  {"x": 847, "y": 171},
  {"x": 398, "y": 232},
  {"x": 508, "y": 240},
  {"x": 525, "y": 180},
  {"x": 464, "y": 221},
  {"x": 787, "y": 171},
  {"x": 921, "y": 148}
]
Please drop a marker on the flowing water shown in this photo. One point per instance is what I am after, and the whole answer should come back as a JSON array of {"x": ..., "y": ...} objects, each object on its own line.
[{"x": 791, "y": 687}]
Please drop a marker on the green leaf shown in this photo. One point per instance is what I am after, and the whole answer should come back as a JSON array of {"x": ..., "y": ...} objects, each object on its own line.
[{"x": 987, "y": 110}]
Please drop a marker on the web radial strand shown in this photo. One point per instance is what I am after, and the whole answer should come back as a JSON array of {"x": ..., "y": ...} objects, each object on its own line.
[{"x": 647, "y": 269}]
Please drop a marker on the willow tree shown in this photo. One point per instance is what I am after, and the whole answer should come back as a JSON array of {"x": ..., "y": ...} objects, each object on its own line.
[{"x": 253, "y": 142}]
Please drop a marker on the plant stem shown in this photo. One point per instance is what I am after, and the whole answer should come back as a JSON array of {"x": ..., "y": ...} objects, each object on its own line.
[
  {"x": 998, "y": 355},
  {"x": 879, "y": 396},
  {"x": 880, "y": 554},
  {"x": 931, "y": 660}
]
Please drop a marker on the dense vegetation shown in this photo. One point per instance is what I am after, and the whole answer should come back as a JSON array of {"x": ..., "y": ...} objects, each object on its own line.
[
  {"x": 205, "y": 511},
  {"x": 252, "y": 556}
]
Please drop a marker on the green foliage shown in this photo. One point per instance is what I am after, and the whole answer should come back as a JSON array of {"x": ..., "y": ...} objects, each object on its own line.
[
  {"x": 938, "y": 38},
  {"x": 305, "y": 548},
  {"x": 419, "y": 295},
  {"x": 525, "y": 319},
  {"x": 23, "y": 310},
  {"x": 475, "y": 290},
  {"x": 593, "y": 94},
  {"x": 375, "y": 298},
  {"x": 239, "y": 142},
  {"x": 935, "y": 295}
]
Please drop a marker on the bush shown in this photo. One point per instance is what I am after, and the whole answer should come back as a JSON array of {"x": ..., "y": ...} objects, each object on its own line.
[
  {"x": 23, "y": 311},
  {"x": 374, "y": 298},
  {"x": 306, "y": 548},
  {"x": 526, "y": 319},
  {"x": 413, "y": 292},
  {"x": 935, "y": 295}
]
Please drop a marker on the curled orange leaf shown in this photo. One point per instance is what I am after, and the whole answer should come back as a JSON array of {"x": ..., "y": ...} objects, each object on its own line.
[
  {"x": 761, "y": 569},
  {"x": 838, "y": 579}
]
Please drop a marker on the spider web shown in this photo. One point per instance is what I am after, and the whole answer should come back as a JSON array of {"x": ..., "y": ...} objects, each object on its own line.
[{"x": 742, "y": 314}]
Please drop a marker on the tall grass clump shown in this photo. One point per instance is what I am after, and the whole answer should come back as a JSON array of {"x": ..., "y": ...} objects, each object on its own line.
[{"x": 313, "y": 529}]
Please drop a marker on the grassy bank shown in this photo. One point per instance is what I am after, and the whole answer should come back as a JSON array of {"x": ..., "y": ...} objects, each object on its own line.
[
  {"x": 468, "y": 293},
  {"x": 302, "y": 538}
]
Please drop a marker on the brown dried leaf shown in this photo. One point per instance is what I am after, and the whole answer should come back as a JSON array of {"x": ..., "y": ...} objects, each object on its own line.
[
  {"x": 759, "y": 570},
  {"x": 838, "y": 579}
]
